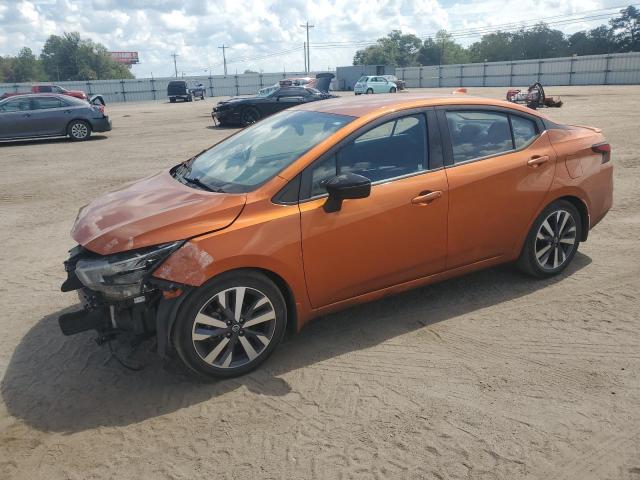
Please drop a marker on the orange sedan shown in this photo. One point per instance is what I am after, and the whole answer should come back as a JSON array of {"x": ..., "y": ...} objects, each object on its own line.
[{"x": 328, "y": 205}]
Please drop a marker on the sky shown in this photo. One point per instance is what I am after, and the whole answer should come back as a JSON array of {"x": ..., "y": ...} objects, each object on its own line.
[{"x": 266, "y": 35}]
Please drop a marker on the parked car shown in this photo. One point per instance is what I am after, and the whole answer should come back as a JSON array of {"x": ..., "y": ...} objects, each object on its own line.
[
  {"x": 185, "y": 90},
  {"x": 400, "y": 84},
  {"x": 328, "y": 205},
  {"x": 368, "y": 84},
  {"x": 248, "y": 110},
  {"x": 50, "y": 89},
  {"x": 50, "y": 115}
]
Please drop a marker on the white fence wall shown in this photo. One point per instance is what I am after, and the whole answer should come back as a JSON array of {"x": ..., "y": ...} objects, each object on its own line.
[
  {"x": 613, "y": 69},
  {"x": 143, "y": 89}
]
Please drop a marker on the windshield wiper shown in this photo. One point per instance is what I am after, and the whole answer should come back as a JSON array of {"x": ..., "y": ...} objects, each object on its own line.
[{"x": 201, "y": 184}]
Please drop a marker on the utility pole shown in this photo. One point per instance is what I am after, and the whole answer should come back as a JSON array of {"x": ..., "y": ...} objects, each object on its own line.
[
  {"x": 175, "y": 65},
  {"x": 224, "y": 58},
  {"x": 308, "y": 65},
  {"x": 304, "y": 47}
]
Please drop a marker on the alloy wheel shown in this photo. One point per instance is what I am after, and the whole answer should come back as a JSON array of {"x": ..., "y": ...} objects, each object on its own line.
[
  {"x": 79, "y": 130},
  {"x": 234, "y": 327},
  {"x": 555, "y": 240}
]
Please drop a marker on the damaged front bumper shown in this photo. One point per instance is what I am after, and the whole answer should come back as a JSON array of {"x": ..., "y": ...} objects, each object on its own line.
[{"x": 149, "y": 309}]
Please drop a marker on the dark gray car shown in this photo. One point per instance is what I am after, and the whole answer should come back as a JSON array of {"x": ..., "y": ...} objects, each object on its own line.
[{"x": 50, "y": 115}]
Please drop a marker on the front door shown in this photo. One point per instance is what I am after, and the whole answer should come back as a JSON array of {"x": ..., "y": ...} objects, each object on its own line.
[
  {"x": 16, "y": 118},
  {"x": 395, "y": 235},
  {"x": 497, "y": 182}
]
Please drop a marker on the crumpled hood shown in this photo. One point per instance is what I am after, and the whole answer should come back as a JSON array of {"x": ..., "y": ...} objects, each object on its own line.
[{"x": 151, "y": 211}]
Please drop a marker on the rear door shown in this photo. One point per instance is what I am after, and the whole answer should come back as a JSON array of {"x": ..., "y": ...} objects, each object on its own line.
[
  {"x": 16, "y": 118},
  {"x": 500, "y": 165},
  {"x": 396, "y": 234},
  {"x": 50, "y": 115}
]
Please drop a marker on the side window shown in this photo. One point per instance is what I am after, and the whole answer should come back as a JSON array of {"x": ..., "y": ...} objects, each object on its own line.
[
  {"x": 46, "y": 89},
  {"x": 524, "y": 131},
  {"x": 476, "y": 134},
  {"x": 393, "y": 149},
  {"x": 45, "y": 103},
  {"x": 17, "y": 105}
]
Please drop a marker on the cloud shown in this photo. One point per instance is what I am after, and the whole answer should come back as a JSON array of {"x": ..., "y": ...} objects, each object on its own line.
[{"x": 261, "y": 35}]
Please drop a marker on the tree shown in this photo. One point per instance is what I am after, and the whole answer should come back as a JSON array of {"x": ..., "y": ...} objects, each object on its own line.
[
  {"x": 26, "y": 67},
  {"x": 492, "y": 47},
  {"x": 593, "y": 42},
  {"x": 626, "y": 29},
  {"x": 442, "y": 50},
  {"x": 396, "y": 49},
  {"x": 69, "y": 57}
]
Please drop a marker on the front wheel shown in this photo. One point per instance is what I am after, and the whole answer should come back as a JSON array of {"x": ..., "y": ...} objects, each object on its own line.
[
  {"x": 249, "y": 116},
  {"x": 230, "y": 325},
  {"x": 392, "y": 90},
  {"x": 552, "y": 241},
  {"x": 79, "y": 130}
]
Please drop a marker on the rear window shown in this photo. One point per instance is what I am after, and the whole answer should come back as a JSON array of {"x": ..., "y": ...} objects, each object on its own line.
[
  {"x": 363, "y": 79},
  {"x": 177, "y": 84},
  {"x": 45, "y": 103},
  {"x": 477, "y": 134}
]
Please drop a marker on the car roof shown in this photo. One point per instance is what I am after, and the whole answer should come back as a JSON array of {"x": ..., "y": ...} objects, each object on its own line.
[
  {"x": 361, "y": 105},
  {"x": 37, "y": 95}
]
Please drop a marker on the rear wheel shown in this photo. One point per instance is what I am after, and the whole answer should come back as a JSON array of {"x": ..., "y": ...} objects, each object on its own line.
[
  {"x": 202, "y": 96},
  {"x": 552, "y": 241},
  {"x": 172, "y": 100},
  {"x": 369, "y": 91},
  {"x": 231, "y": 325},
  {"x": 249, "y": 116},
  {"x": 79, "y": 130}
]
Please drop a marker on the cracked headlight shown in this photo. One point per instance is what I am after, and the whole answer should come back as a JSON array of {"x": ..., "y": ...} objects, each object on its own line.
[{"x": 120, "y": 276}]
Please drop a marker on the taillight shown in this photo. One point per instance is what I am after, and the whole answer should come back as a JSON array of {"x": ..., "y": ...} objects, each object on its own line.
[{"x": 604, "y": 149}]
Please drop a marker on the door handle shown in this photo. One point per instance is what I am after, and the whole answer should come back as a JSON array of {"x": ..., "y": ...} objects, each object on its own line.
[
  {"x": 426, "y": 198},
  {"x": 26, "y": 115},
  {"x": 538, "y": 160}
]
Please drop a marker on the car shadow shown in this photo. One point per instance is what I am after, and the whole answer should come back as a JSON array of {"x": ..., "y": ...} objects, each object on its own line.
[
  {"x": 68, "y": 384},
  {"x": 50, "y": 140}
]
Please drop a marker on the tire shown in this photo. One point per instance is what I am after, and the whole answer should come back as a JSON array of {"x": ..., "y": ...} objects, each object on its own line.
[
  {"x": 392, "y": 90},
  {"x": 212, "y": 341},
  {"x": 190, "y": 98},
  {"x": 552, "y": 241},
  {"x": 172, "y": 100},
  {"x": 79, "y": 130},
  {"x": 249, "y": 116},
  {"x": 202, "y": 96},
  {"x": 369, "y": 91}
]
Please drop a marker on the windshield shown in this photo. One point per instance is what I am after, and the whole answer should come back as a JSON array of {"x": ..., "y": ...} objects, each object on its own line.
[
  {"x": 266, "y": 91},
  {"x": 257, "y": 153}
]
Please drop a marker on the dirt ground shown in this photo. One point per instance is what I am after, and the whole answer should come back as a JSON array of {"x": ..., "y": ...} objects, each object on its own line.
[{"x": 490, "y": 376}]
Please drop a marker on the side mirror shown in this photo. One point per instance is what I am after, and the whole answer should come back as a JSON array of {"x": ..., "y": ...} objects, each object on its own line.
[{"x": 343, "y": 187}]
